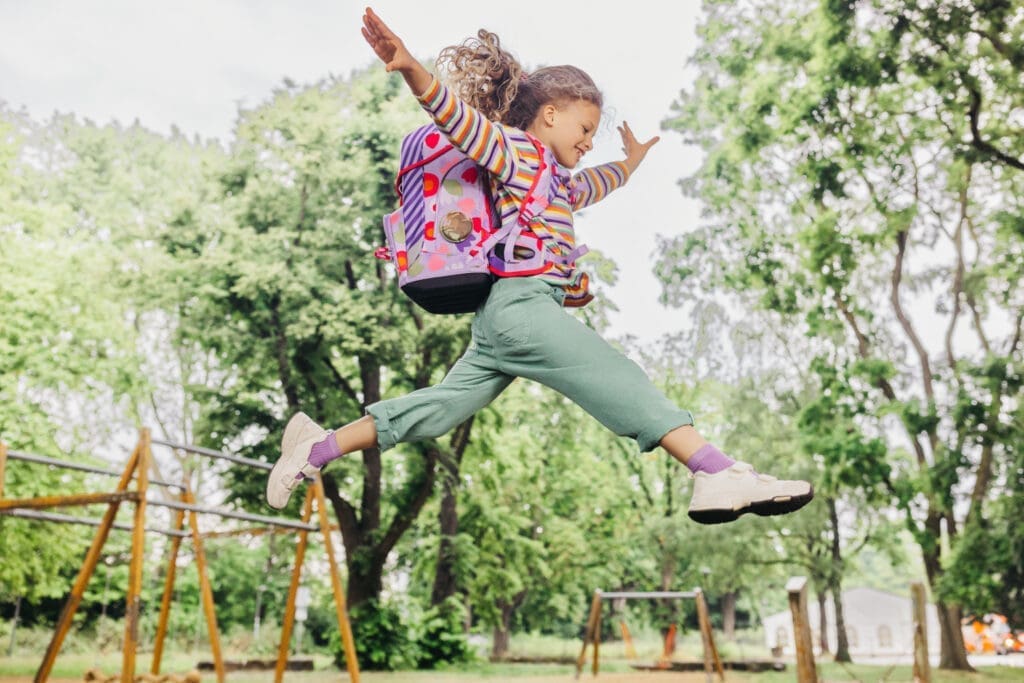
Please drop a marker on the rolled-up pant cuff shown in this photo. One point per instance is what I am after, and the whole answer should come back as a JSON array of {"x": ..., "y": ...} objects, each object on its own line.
[
  {"x": 387, "y": 437},
  {"x": 650, "y": 438}
]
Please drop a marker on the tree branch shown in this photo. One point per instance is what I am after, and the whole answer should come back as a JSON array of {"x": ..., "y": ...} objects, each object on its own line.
[{"x": 976, "y": 140}]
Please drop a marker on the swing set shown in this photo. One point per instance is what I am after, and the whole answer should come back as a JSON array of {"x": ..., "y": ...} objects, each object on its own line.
[
  {"x": 592, "y": 632},
  {"x": 138, "y": 469}
]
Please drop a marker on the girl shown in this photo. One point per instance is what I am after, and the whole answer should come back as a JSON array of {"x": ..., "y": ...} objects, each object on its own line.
[{"x": 496, "y": 112}]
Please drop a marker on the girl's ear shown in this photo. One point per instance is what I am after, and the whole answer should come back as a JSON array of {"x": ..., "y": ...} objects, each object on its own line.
[{"x": 548, "y": 112}]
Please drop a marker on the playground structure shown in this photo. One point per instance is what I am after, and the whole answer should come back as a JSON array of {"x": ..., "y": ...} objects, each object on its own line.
[
  {"x": 592, "y": 633},
  {"x": 138, "y": 469}
]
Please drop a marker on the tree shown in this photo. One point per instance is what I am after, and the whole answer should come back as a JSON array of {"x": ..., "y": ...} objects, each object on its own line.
[
  {"x": 67, "y": 349},
  {"x": 861, "y": 162},
  {"x": 278, "y": 280}
]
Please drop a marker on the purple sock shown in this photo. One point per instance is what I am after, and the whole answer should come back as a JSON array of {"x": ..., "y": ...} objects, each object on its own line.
[
  {"x": 325, "y": 451},
  {"x": 709, "y": 460}
]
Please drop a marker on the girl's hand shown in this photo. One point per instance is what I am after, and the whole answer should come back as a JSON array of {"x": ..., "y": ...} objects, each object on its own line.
[
  {"x": 386, "y": 44},
  {"x": 634, "y": 150},
  {"x": 393, "y": 53}
]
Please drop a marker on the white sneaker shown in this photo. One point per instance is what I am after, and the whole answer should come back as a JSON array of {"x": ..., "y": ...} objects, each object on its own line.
[
  {"x": 293, "y": 466},
  {"x": 725, "y": 495}
]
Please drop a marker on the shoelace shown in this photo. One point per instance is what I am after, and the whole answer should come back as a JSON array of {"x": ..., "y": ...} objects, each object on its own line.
[{"x": 742, "y": 467}]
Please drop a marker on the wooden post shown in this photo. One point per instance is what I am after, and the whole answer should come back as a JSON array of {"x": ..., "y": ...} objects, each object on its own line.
[
  {"x": 796, "y": 587},
  {"x": 293, "y": 589},
  {"x": 205, "y": 589},
  {"x": 82, "y": 580},
  {"x": 588, "y": 632},
  {"x": 347, "y": 639},
  {"x": 597, "y": 641},
  {"x": 165, "y": 602},
  {"x": 922, "y": 668},
  {"x": 627, "y": 640},
  {"x": 710, "y": 650},
  {"x": 134, "y": 597}
]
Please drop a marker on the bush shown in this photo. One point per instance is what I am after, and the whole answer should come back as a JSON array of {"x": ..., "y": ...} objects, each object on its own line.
[
  {"x": 440, "y": 636},
  {"x": 422, "y": 640},
  {"x": 382, "y": 640}
]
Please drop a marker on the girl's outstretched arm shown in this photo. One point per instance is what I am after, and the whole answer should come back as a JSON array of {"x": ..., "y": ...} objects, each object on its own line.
[{"x": 392, "y": 51}]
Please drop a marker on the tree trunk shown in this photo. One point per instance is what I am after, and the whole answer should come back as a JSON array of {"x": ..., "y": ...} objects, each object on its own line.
[
  {"x": 835, "y": 582},
  {"x": 502, "y": 631},
  {"x": 729, "y": 614},
  {"x": 953, "y": 653},
  {"x": 842, "y": 642},
  {"x": 445, "y": 578},
  {"x": 823, "y": 621}
]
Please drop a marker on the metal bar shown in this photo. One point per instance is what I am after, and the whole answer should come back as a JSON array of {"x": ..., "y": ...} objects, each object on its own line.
[
  {"x": 76, "y": 499},
  {"x": 87, "y": 521},
  {"x": 275, "y": 521},
  {"x": 88, "y": 565},
  {"x": 347, "y": 639},
  {"x": 648, "y": 594},
  {"x": 54, "y": 462},
  {"x": 217, "y": 454},
  {"x": 288, "y": 621},
  {"x": 251, "y": 531}
]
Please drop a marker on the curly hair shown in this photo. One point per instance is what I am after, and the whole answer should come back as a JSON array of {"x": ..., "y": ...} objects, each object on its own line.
[{"x": 491, "y": 79}]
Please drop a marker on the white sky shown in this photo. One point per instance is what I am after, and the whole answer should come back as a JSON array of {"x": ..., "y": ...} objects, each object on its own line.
[{"x": 192, "y": 64}]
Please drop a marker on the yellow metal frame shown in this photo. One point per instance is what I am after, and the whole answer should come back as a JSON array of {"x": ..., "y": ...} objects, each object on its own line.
[{"x": 138, "y": 469}]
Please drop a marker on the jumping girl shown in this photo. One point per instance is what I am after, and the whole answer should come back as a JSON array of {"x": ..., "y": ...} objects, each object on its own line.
[{"x": 495, "y": 111}]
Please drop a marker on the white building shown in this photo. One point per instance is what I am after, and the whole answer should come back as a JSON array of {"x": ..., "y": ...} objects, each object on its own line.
[{"x": 877, "y": 624}]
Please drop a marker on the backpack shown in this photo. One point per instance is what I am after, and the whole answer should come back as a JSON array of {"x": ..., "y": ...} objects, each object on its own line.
[{"x": 445, "y": 239}]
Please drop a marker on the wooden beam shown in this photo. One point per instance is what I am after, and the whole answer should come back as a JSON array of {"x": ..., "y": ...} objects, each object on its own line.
[
  {"x": 73, "y": 499},
  {"x": 206, "y": 590},
  {"x": 922, "y": 667},
  {"x": 588, "y": 632},
  {"x": 347, "y": 639},
  {"x": 165, "y": 602},
  {"x": 82, "y": 580},
  {"x": 708, "y": 638},
  {"x": 806, "y": 672},
  {"x": 293, "y": 589},
  {"x": 133, "y": 599}
]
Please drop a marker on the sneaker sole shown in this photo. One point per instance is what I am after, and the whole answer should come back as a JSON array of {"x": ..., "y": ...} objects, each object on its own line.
[{"x": 765, "y": 508}]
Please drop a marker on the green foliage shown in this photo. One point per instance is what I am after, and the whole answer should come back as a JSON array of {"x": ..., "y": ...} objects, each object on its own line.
[
  {"x": 441, "y": 637},
  {"x": 383, "y": 641},
  {"x": 859, "y": 165}
]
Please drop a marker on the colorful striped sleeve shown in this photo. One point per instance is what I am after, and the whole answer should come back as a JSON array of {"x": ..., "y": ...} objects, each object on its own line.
[
  {"x": 593, "y": 184},
  {"x": 482, "y": 140}
]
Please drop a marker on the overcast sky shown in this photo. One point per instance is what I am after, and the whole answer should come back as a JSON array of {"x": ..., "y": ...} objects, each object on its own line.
[{"x": 192, "y": 64}]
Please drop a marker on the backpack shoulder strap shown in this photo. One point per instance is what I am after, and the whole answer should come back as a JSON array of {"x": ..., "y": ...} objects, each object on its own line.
[{"x": 535, "y": 201}]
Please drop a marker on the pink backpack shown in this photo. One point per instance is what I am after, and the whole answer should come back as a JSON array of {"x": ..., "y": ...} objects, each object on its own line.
[{"x": 445, "y": 239}]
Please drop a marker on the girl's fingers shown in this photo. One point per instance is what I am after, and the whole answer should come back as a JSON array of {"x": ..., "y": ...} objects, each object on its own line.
[{"x": 378, "y": 24}]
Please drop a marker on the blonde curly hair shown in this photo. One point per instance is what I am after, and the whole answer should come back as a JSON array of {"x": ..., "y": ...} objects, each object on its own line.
[{"x": 490, "y": 79}]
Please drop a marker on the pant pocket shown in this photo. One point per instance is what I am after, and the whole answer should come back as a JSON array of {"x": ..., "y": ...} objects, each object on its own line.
[{"x": 512, "y": 325}]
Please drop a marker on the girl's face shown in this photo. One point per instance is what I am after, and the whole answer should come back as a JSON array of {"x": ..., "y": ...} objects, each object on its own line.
[{"x": 567, "y": 130}]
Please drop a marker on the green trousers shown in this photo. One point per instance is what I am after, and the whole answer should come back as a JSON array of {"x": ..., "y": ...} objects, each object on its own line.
[{"x": 523, "y": 331}]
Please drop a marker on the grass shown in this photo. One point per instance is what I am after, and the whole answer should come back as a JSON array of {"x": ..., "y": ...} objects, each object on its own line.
[{"x": 74, "y": 661}]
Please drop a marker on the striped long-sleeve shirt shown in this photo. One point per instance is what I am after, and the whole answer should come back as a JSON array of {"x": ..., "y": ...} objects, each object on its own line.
[{"x": 512, "y": 161}]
